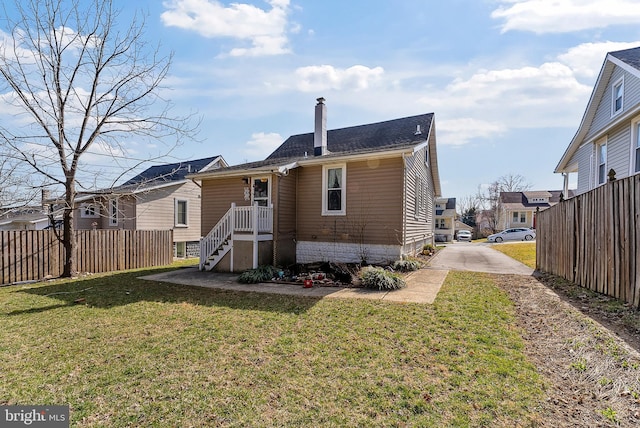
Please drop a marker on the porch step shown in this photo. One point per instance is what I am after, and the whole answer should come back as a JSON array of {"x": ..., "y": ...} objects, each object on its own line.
[{"x": 215, "y": 258}]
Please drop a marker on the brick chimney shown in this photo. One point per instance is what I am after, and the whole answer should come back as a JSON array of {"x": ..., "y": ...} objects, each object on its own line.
[{"x": 320, "y": 130}]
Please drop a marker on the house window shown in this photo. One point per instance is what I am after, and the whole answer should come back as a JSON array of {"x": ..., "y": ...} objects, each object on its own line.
[
  {"x": 261, "y": 191},
  {"x": 89, "y": 211},
  {"x": 519, "y": 217},
  {"x": 181, "y": 249},
  {"x": 617, "y": 95},
  {"x": 181, "y": 213},
  {"x": 602, "y": 163},
  {"x": 440, "y": 223},
  {"x": 113, "y": 212},
  {"x": 334, "y": 190},
  {"x": 637, "y": 147}
]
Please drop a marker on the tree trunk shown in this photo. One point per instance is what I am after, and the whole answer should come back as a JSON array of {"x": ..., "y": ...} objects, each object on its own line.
[{"x": 68, "y": 232}]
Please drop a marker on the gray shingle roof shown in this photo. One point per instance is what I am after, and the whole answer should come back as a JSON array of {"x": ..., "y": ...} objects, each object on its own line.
[
  {"x": 171, "y": 171},
  {"x": 628, "y": 56},
  {"x": 390, "y": 134}
]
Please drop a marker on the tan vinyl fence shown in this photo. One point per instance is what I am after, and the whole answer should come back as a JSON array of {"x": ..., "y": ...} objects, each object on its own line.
[
  {"x": 35, "y": 254},
  {"x": 592, "y": 240}
]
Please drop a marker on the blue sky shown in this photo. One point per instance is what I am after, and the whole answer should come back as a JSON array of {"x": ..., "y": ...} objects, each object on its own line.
[{"x": 508, "y": 80}]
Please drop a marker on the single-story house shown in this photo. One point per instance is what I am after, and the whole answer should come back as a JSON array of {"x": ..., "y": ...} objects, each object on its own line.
[{"x": 358, "y": 194}]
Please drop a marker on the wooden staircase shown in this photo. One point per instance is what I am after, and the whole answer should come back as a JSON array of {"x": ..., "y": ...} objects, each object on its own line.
[{"x": 252, "y": 222}]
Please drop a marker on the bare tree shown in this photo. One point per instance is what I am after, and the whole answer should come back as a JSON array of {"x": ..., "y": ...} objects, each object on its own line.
[
  {"x": 77, "y": 82},
  {"x": 490, "y": 196}
]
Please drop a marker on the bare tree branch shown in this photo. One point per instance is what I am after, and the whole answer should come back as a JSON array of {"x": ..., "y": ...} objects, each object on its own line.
[{"x": 77, "y": 81}]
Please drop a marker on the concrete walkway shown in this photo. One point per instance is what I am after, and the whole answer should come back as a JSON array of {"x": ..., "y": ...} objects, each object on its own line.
[{"x": 422, "y": 286}]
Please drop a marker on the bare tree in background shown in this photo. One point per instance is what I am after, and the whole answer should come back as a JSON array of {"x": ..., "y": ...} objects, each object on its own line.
[
  {"x": 79, "y": 78},
  {"x": 490, "y": 197}
]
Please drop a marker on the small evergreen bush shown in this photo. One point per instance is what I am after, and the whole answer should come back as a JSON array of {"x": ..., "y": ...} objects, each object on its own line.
[
  {"x": 380, "y": 279},
  {"x": 259, "y": 274},
  {"x": 406, "y": 265}
]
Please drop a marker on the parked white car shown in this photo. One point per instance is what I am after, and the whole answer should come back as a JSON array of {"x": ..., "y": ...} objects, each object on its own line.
[
  {"x": 513, "y": 234},
  {"x": 463, "y": 235}
]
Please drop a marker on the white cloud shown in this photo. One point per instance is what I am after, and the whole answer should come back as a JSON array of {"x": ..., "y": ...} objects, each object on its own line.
[
  {"x": 262, "y": 144},
  {"x": 264, "y": 30},
  {"x": 563, "y": 16},
  {"x": 323, "y": 77},
  {"x": 586, "y": 59},
  {"x": 458, "y": 132}
]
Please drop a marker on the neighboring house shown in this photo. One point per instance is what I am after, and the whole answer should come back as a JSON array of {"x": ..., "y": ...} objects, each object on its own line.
[
  {"x": 363, "y": 193},
  {"x": 462, "y": 226},
  {"x": 445, "y": 219},
  {"x": 33, "y": 218},
  {"x": 608, "y": 137},
  {"x": 518, "y": 209},
  {"x": 159, "y": 198}
]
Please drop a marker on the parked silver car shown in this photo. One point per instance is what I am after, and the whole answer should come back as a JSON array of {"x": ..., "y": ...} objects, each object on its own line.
[
  {"x": 463, "y": 235},
  {"x": 513, "y": 234}
]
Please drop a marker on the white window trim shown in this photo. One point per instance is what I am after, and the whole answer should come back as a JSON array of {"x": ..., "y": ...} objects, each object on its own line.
[
  {"x": 325, "y": 190},
  {"x": 619, "y": 82},
  {"x": 186, "y": 212},
  {"x": 84, "y": 207},
  {"x": 600, "y": 143},
  {"x": 253, "y": 201},
  {"x": 113, "y": 221},
  {"x": 635, "y": 134}
]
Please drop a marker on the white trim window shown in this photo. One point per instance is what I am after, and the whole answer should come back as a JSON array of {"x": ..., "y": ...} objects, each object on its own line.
[
  {"x": 89, "y": 211},
  {"x": 181, "y": 213},
  {"x": 602, "y": 162},
  {"x": 334, "y": 185},
  {"x": 113, "y": 212},
  {"x": 617, "y": 96},
  {"x": 635, "y": 147},
  {"x": 260, "y": 192},
  {"x": 519, "y": 217}
]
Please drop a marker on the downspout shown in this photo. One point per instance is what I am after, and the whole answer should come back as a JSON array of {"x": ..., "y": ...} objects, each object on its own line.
[
  {"x": 565, "y": 186},
  {"x": 276, "y": 222}
]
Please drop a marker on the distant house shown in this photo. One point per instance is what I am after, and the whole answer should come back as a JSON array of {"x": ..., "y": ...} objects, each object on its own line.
[
  {"x": 362, "y": 193},
  {"x": 445, "y": 219},
  {"x": 518, "y": 209},
  {"x": 608, "y": 137},
  {"x": 31, "y": 218},
  {"x": 462, "y": 226},
  {"x": 159, "y": 198}
]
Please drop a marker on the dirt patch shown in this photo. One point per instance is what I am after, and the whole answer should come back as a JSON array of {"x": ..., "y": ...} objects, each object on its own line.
[{"x": 593, "y": 374}]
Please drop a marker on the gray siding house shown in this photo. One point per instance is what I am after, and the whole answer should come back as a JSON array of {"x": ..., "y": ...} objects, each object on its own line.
[{"x": 608, "y": 137}]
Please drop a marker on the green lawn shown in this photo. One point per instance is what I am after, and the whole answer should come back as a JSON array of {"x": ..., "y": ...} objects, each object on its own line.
[
  {"x": 139, "y": 353},
  {"x": 524, "y": 252}
]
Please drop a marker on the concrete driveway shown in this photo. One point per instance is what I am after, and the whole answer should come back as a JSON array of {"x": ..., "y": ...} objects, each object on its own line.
[{"x": 477, "y": 257}]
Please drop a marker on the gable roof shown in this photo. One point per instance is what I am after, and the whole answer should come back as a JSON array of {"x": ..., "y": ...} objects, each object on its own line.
[
  {"x": 380, "y": 138},
  {"x": 390, "y": 134},
  {"x": 520, "y": 200},
  {"x": 158, "y": 176},
  {"x": 629, "y": 60},
  {"x": 172, "y": 171}
]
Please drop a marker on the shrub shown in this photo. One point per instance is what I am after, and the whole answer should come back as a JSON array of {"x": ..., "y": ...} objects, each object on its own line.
[
  {"x": 428, "y": 247},
  {"x": 380, "y": 279},
  {"x": 259, "y": 274},
  {"x": 406, "y": 265}
]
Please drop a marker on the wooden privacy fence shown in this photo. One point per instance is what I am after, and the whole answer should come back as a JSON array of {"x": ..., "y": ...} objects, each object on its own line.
[
  {"x": 36, "y": 254},
  {"x": 592, "y": 240}
]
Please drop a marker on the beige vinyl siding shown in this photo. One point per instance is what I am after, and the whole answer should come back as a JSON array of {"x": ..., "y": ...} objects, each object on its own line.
[
  {"x": 217, "y": 196},
  {"x": 584, "y": 157},
  {"x": 619, "y": 150},
  {"x": 155, "y": 210},
  {"x": 284, "y": 203},
  {"x": 419, "y": 223},
  {"x": 373, "y": 204}
]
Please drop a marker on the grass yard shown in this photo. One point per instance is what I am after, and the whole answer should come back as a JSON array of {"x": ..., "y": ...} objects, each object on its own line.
[
  {"x": 524, "y": 252},
  {"x": 140, "y": 353}
]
